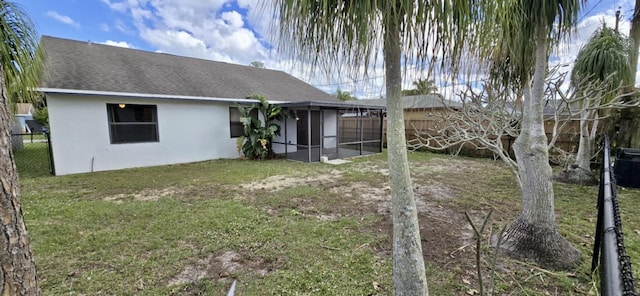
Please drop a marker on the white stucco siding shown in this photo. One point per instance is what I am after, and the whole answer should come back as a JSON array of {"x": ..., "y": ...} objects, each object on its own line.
[{"x": 188, "y": 131}]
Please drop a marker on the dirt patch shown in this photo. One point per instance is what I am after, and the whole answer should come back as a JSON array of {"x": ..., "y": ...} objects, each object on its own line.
[
  {"x": 145, "y": 195},
  {"x": 280, "y": 182},
  {"x": 219, "y": 267},
  {"x": 379, "y": 198},
  {"x": 363, "y": 193},
  {"x": 435, "y": 190},
  {"x": 372, "y": 168}
]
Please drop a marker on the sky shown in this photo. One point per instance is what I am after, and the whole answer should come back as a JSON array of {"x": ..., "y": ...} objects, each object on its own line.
[{"x": 240, "y": 32}]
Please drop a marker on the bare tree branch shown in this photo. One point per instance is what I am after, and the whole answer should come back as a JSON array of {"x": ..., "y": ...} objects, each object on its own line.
[{"x": 482, "y": 120}]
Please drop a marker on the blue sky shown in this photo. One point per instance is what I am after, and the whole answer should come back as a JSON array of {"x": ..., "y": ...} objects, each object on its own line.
[{"x": 235, "y": 31}]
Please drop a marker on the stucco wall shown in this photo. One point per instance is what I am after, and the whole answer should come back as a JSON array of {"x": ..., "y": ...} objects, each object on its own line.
[{"x": 188, "y": 131}]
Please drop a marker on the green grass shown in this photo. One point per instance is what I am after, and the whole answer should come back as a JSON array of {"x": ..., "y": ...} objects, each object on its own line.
[
  {"x": 32, "y": 160},
  {"x": 132, "y": 232}
]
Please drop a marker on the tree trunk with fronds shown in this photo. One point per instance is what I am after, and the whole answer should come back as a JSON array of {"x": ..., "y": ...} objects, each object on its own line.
[
  {"x": 409, "y": 276},
  {"x": 533, "y": 236},
  {"x": 17, "y": 267}
]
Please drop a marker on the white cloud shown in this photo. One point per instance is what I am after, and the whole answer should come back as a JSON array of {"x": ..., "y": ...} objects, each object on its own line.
[
  {"x": 118, "y": 43},
  {"x": 233, "y": 19},
  {"x": 105, "y": 27},
  {"x": 62, "y": 18},
  {"x": 123, "y": 27},
  {"x": 116, "y": 6},
  {"x": 193, "y": 28}
]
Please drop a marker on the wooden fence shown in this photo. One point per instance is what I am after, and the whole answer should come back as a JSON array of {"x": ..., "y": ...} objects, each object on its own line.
[
  {"x": 567, "y": 139},
  {"x": 350, "y": 127}
]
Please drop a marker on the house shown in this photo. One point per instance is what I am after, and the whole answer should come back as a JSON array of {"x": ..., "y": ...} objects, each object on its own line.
[
  {"x": 23, "y": 112},
  {"x": 113, "y": 108},
  {"x": 420, "y": 111},
  {"x": 416, "y": 106}
]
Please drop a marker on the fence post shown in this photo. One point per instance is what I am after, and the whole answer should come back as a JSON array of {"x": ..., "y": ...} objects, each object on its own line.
[{"x": 52, "y": 167}]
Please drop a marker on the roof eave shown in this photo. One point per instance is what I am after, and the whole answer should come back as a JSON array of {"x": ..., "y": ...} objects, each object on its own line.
[
  {"x": 338, "y": 105},
  {"x": 142, "y": 95}
]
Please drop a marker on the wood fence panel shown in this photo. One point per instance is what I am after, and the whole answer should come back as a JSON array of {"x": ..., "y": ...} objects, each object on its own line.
[{"x": 567, "y": 140}]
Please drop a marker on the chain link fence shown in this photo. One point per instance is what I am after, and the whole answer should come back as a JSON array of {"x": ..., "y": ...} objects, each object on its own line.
[
  {"x": 32, "y": 154},
  {"x": 609, "y": 252}
]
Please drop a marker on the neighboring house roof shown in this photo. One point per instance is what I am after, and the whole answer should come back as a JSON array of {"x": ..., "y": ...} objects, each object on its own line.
[
  {"x": 23, "y": 109},
  {"x": 429, "y": 101},
  {"x": 85, "y": 67}
]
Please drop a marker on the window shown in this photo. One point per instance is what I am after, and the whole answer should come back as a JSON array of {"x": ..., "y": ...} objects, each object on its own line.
[
  {"x": 130, "y": 123},
  {"x": 237, "y": 130}
]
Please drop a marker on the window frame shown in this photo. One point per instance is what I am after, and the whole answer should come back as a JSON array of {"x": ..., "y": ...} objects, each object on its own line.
[
  {"x": 113, "y": 137},
  {"x": 254, "y": 114}
]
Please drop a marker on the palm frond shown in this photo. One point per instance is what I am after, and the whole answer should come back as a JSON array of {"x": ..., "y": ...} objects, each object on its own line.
[
  {"x": 22, "y": 60},
  {"x": 606, "y": 52},
  {"x": 347, "y": 34},
  {"x": 518, "y": 23}
]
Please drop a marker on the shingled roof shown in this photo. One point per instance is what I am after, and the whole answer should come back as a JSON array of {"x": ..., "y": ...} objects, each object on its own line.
[{"x": 91, "y": 67}]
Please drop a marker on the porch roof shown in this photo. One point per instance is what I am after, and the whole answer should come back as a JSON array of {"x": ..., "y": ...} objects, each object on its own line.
[{"x": 332, "y": 105}]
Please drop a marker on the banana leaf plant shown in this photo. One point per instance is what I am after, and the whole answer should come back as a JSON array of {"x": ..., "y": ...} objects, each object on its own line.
[{"x": 259, "y": 132}]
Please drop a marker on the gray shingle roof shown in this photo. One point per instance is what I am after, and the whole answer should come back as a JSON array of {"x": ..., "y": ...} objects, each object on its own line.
[
  {"x": 86, "y": 66},
  {"x": 417, "y": 102}
]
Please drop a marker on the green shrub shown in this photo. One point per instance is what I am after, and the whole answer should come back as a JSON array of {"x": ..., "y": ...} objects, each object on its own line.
[{"x": 258, "y": 138}]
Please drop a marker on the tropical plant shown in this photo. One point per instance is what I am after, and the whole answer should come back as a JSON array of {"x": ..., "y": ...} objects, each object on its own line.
[
  {"x": 257, "y": 64},
  {"x": 344, "y": 96},
  {"x": 338, "y": 34},
  {"x": 603, "y": 62},
  {"x": 21, "y": 66},
  {"x": 258, "y": 137},
  {"x": 523, "y": 33},
  {"x": 421, "y": 87},
  {"x": 41, "y": 115}
]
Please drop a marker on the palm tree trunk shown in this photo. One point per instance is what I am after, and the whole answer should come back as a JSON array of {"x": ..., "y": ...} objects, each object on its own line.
[
  {"x": 409, "y": 276},
  {"x": 583, "y": 156},
  {"x": 533, "y": 236},
  {"x": 630, "y": 117},
  {"x": 17, "y": 267}
]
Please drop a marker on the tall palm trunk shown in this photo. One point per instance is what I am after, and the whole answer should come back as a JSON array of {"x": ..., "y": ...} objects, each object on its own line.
[
  {"x": 409, "y": 276},
  {"x": 588, "y": 128},
  {"x": 629, "y": 134},
  {"x": 533, "y": 236},
  {"x": 17, "y": 268}
]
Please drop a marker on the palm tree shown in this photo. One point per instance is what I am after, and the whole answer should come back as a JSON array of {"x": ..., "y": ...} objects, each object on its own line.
[
  {"x": 21, "y": 65},
  {"x": 257, "y": 64},
  {"x": 338, "y": 34},
  {"x": 421, "y": 87},
  {"x": 525, "y": 31},
  {"x": 344, "y": 95},
  {"x": 603, "y": 60},
  {"x": 425, "y": 87}
]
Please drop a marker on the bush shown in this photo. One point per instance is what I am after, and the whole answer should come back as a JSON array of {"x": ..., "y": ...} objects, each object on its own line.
[{"x": 258, "y": 138}]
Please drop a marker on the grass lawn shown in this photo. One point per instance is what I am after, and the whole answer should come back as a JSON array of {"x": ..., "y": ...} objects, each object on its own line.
[
  {"x": 288, "y": 228},
  {"x": 33, "y": 160}
]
